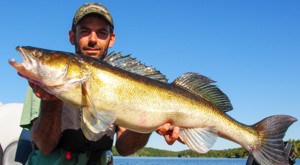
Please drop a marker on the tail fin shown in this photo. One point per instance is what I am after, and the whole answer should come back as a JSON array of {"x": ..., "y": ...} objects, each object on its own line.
[{"x": 271, "y": 131}]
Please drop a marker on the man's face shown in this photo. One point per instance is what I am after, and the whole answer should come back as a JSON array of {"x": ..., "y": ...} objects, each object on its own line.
[{"x": 92, "y": 37}]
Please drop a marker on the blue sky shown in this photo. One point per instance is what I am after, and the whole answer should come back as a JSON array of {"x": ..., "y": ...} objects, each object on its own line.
[{"x": 251, "y": 48}]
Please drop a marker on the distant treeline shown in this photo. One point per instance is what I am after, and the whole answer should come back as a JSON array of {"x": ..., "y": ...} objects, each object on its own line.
[{"x": 228, "y": 153}]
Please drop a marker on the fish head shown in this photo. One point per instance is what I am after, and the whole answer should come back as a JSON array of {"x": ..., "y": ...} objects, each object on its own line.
[{"x": 49, "y": 69}]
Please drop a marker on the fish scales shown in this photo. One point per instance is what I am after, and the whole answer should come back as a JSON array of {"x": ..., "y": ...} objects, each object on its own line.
[
  {"x": 137, "y": 96},
  {"x": 108, "y": 92},
  {"x": 127, "y": 89}
]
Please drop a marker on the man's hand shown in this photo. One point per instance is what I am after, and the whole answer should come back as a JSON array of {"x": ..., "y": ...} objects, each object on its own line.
[
  {"x": 39, "y": 92},
  {"x": 171, "y": 134}
]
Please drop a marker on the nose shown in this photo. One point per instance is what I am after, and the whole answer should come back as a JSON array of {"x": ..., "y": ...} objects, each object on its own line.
[{"x": 93, "y": 38}]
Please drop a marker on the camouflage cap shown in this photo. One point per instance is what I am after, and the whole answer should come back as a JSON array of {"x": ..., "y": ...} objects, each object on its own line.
[{"x": 89, "y": 8}]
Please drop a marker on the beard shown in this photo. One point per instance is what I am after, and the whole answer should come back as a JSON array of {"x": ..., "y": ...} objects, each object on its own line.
[{"x": 103, "y": 52}]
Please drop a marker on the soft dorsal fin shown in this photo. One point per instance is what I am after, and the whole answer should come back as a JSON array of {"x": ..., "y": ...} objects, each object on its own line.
[
  {"x": 202, "y": 86},
  {"x": 134, "y": 66}
]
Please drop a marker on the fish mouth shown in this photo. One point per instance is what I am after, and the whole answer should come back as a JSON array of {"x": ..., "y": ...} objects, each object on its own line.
[
  {"x": 26, "y": 68},
  {"x": 32, "y": 69},
  {"x": 27, "y": 64},
  {"x": 37, "y": 67}
]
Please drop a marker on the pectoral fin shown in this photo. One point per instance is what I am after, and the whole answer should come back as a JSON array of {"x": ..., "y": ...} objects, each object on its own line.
[
  {"x": 94, "y": 127},
  {"x": 199, "y": 139},
  {"x": 94, "y": 122}
]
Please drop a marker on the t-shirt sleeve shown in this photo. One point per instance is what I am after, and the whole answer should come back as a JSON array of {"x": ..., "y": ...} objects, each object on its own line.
[{"x": 31, "y": 109}]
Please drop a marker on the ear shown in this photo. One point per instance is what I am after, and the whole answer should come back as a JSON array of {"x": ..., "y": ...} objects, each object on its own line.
[
  {"x": 112, "y": 40},
  {"x": 72, "y": 37}
]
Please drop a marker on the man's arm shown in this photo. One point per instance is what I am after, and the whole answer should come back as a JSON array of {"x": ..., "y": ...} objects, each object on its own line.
[
  {"x": 46, "y": 129},
  {"x": 129, "y": 142}
]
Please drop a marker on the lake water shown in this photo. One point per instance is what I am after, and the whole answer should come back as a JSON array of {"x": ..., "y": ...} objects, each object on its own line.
[{"x": 177, "y": 161}]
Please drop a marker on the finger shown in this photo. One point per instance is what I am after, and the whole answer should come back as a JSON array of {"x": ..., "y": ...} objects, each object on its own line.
[
  {"x": 48, "y": 97},
  {"x": 175, "y": 133},
  {"x": 173, "y": 136},
  {"x": 42, "y": 94},
  {"x": 169, "y": 139},
  {"x": 164, "y": 129},
  {"x": 37, "y": 90}
]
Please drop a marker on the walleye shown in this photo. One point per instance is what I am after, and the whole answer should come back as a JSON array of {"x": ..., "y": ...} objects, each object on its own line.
[{"x": 123, "y": 91}]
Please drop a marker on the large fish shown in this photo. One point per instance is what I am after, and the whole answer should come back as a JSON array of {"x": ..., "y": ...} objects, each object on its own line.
[{"x": 121, "y": 90}]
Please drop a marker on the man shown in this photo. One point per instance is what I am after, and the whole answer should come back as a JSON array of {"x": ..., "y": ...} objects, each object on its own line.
[{"x": 55, "y": 126}]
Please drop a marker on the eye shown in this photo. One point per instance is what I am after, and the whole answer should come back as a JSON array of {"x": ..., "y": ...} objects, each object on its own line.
[
  {"x": 84, "y": 32},
  {"x": 102, "y": 34}
]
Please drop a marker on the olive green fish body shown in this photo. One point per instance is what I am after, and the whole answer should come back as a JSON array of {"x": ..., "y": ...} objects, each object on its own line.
[
  {"x": 123, "y": 91},
  {"x": 145, "y": 104}
]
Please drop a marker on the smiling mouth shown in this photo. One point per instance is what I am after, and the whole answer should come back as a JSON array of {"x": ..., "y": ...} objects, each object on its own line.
[{"x": 92, "y": 50}]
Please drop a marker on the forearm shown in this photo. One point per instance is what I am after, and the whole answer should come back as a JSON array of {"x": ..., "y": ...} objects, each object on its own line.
[
  {"x": 46, "y": 129},
  {"x": 129, "y": 142}
]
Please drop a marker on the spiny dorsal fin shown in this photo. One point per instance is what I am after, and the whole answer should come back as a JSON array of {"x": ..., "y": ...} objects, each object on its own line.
[
  {"x": 201, "y": 86},
  {"x": 134, "y": 66}
]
